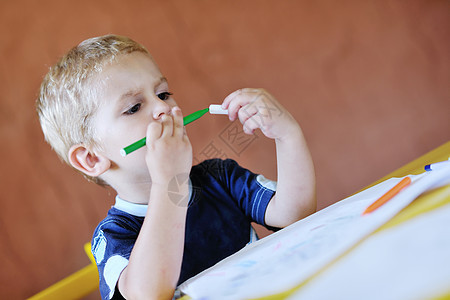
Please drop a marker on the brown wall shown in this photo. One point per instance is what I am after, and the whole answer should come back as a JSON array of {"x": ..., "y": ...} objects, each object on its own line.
[{"x": 367, "y": 80}]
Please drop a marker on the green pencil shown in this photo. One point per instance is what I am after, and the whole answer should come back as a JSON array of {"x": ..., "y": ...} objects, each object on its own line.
[{"x": 141, "y": 143}]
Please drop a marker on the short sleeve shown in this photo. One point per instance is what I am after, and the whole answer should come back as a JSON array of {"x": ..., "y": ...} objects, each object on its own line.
[
  {"x": 112, "y": 243},
  {"x": 252, "y": 192}
]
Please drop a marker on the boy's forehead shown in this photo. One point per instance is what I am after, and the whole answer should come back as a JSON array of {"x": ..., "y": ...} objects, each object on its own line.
[
  {"x": 132, "y": 63},
  {"x": 127, "y": 74}
]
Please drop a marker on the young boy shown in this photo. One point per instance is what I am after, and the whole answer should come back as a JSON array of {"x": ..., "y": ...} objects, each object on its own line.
[{"x": 108, "y": 92}]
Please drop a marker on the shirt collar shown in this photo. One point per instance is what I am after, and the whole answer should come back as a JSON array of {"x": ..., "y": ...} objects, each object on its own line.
[{"x": 139, "y": 210}]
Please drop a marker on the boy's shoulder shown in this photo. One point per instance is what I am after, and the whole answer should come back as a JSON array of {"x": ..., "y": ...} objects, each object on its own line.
[
  {"x": 114, "y": 235},
  {"x": 118, "y": 220}
]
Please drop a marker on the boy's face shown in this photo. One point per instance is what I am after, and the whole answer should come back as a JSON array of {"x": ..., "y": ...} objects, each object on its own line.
[{"x": 132, "y": 93}]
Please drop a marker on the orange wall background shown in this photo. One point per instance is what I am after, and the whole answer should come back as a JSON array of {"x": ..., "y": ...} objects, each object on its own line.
[{"x": 368, "y": 81}]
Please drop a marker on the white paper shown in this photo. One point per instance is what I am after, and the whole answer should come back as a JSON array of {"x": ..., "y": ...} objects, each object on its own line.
[
  {"x": 408, "y": 261},
  {"x": 288, "y": 257}
]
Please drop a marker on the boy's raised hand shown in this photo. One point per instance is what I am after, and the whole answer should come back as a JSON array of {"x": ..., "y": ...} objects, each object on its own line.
[
  {"x": 295, "y": 195},
  {"x": 155, "y": 261},
  {"x": 256, "y": 108},
  {"x": 169, "y": 151}
]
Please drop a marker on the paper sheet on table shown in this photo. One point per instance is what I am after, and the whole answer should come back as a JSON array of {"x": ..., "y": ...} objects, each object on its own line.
[
  {"x": 408, "y": 261},
  {"x": 288, "y": 257}
]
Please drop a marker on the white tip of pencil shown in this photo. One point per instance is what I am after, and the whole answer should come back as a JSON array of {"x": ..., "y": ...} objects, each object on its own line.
[
  {"x": 123, "y": 153},
  {"x": 216, "y": 109}
]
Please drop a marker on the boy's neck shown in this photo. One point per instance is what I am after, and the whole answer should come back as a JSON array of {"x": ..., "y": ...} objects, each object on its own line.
[
  {"x": 138, "y": 193},
  {"x": 129, "y": 187}
]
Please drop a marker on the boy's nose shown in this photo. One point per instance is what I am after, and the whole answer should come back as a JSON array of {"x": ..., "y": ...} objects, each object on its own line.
[{"x": 160, "y": 109}]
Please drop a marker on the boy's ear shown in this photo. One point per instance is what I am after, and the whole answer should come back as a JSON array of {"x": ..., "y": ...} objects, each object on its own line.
[{"x": 87, "y": 162}]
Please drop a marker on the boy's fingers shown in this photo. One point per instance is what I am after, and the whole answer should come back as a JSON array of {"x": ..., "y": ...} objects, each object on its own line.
[
  {"x": 229, "y": 98},
  {"x": 247, "y": 112},
  {"x": 167, "y": 125},
  {"x": 154, "y": 131},
  {"x": 250, "y": 125},
  {"x": 237, "y": 93},
  {"x": 233, "y": 109},
  {"x": 238, "y": 99},
  {"x": 178, "y": 129}
]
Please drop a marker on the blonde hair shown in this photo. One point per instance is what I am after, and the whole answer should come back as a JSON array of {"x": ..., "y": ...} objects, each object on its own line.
[{"x": 67, "y": 100}]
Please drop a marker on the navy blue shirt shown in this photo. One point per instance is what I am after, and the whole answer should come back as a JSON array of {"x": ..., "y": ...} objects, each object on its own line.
[{"x": 224, "y": 199}]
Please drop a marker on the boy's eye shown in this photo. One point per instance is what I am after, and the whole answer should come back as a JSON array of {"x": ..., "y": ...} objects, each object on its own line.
[
  {"x": 133, "y": 109},
  {"x": 164, "y": 96}
]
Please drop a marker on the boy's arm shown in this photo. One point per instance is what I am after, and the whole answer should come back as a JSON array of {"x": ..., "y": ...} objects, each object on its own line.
[
  {"x": 295, "y": 195},
  {"x": 155, "y": 261}
]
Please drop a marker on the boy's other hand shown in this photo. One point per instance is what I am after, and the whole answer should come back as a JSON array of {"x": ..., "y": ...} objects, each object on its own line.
[
  {"x": 257, "y": 109},
  {"x": 169, "y": 151}
]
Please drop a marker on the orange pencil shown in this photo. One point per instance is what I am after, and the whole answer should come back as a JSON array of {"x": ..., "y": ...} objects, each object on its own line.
[{"x": 389, "y": 194}]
